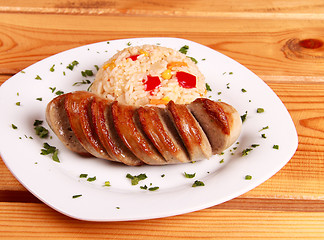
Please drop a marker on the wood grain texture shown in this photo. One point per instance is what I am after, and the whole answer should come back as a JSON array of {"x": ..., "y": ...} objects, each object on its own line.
[
  {"x": 36, "y": 220},
  {"x": 266, "y": 46}
]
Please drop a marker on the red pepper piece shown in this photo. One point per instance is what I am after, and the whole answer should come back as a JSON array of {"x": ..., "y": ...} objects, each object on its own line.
[
  {"x": 134, "y": 57},
  {"x": 152, "y": 83},
  {"x": 186, "y": 80}
]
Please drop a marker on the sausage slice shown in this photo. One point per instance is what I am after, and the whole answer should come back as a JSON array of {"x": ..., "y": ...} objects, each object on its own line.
[
  {"x": 162, "y": 135},
  {"x": 192, "y": 135},
  {"x": 58, "y": 121},
  {"x": 220, "y": 121},
  {"x": 104, "y": 127},
  {"x": 128, "y": 128}
]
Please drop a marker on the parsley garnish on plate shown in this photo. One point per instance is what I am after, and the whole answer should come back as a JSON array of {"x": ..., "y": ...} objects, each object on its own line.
[
  {"x": 184, "y": 49},
  {"x": 52, "y": 68},
  {"x": 243, "y": 117},
  {"x": 72, "y": 65},
  {"x": 248, "y": 177},
  {"x": 198, "y": 183},
  {"x": 77, "y": 196},
  {"x": 260, "y": 110},
  {"x": 208, "y": 87},
  {"x": 82, "y": 82},
  {"x": 276, "y": 147},
  {"x": 14, "y": 126},
  {"x": 188, "y": 175},
  {"x": 136, "y": 179},
  {"x": 86, "y": 73},
  {"x": 91, "y": 179},
  {"x": 38, "y": 77},
  {"x": 48, "y": 149}
]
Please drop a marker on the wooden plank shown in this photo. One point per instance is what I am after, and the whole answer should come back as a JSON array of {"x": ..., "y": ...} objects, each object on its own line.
[
  {"x": 266, "y": 46},
  {"x": 166, "y": 7},
  {"x": 21, "y": 220},
  {"x": 303, "y": 176}
]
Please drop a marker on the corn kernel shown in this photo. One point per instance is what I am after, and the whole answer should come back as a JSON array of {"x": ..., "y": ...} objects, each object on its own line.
[
  {"x": 163, "y": 101},
  {"x": 176, "y": 64},
  {"x": 111, "y": 65},
  {"x": 166, "y": 74},
  {"x": 144, "y": 52}
]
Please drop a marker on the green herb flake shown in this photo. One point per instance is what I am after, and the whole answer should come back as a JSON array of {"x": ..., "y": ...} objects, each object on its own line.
[
  {"x": 14, "y": 126},
  {"x": 208, "y": 87},
  {"x": 243, "y": 90},
  {"x": 72, "y": 65},
  {"x": 193, "y": 59},
  {"x": 83, "y": 175},
  {"x": 39, "y": 99},
  {"x": 188, "y": 175},
  {"x": 77, "y": 196},
  {"x": 38, "y": 122},
  {"x": 276, "y": 147},
  {"x": 48, "y": 149},
  {"x": 82, "y": 82},
  {"x": 87, "y": 73},
  {"x": 117, "y": 207},
  {"x": 227, "y": 86},
  {"x": 243, "y": 117},
  {"x": 221, "y": 161},
  {"x": 91, "y": 179},
  {"x": 264, "y": 128},
  {"x": 143, "y": 187},
  {"x": 107, "y": 184},
  {"x": 136, "y": 179},
  {"x": 59, "y": 92},
  {"x": 129, "y": 43},
  {"x": 246, "y": 151},
  {"x": 184, "y": 49},
  {"x": 38, "y": 77},
  {"x": 263, "y": 135},
  {"x": 18, "y": 103},
  {"x": 41, "y": 131},
  {"x": 63, "y": 73},
  {"x": 52, "y": 68},
  {"x": 52, "y": 89},
  {"x": 97, "y": 67},
  {"x": 230, "y": 73},
  {"x": 153, "y": 188},
  {"x": 198, "y": 183},
  {"x": 163, "y": 175},
  {"x": 255, "y": 145},
  {"x": 260, "y": 110},
  {"x": 248, "y": 177},
  {"x": 22, "y": 71}
]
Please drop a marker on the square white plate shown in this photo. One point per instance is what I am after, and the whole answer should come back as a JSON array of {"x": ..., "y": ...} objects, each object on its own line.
[{"x": 224, "y": 176}]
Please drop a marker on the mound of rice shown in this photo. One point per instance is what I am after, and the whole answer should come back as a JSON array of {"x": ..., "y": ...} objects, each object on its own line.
[{"x": 149, "y": 74}]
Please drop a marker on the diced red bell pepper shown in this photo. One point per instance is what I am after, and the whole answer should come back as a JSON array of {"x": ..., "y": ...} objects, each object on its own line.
[
  {"x": 186, "y": 80},
  {"x": 134, "y": 57},
  {"x": 152, "y": 83}
]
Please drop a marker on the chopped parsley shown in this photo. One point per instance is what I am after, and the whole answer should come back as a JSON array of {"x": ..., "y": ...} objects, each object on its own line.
[
  {"x": 59, "y": 92},
  {"x": 107, "y": 184},
  {"x": 39, "y": 99},
  {"x": 14, "y": 126},
  {"x": 82, "y": 82},
  {"x": 264, "y": 128},
  {"x": 163, "y": 175},
  {"x": 188, "y": 175},
  {"x": 260, "y": 110},
  {"x": 255, "y": 145},
  {"x": 91, "y": 179},
  {"x": 221, "y": 161},
  {"x": 227, "y": 86},
  {"x": 208, "y": 87},
  {"x": 243, "y": 90},
  {"x": 246, "y": 151},
  {"x": 41, "y": 131},
  {"x": 184, "y": 49},
  {"x": 83, "y": 175},
  {"x": 48, "y": 149},
  {"x": 263, "y": 135},
  {"x": 230, "y": 73},
  {"x": 275, "y": 147},
  {"x": 143, "y": 187},
  {"x": 129, "y": 43},
  {"x": 193, "y": 59},
  {"x": 76, "y": 196},
  {"x": 86, "y": 73},
  {"x": 52, "y": 89},
  {"x": 136, "y": 179},
  {"x": 72, "y": 65},
  {"x": 198, "y": 183},
  {"x": 153, "y": 188},
  {"x": 96, "y": 66},
  {"x": 38, "y": 77},
  {"x": 248, "y": 177},
  {"x": 18, "y": 103},
  {"x": 52, "y": 68},
  {"x": 243, "y": 117}
]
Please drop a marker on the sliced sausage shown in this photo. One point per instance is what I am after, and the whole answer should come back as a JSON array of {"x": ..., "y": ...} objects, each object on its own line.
[
  {"x": 165, "y": 139},
  {"x": 192, "y": 135},
  {"x": 77, "y": 107},
  {"x": 128, "y": 128},
  {"x": 58, "y": 121},
  {"x": 105, "y": 129},
  {"x": 220, "y": 121}
]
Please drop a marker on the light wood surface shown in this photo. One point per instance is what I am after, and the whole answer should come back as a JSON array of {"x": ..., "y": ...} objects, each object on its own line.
[{"x": 280, "y": 41}]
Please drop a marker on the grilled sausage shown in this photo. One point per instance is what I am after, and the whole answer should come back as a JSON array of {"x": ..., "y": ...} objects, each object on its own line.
[{"x": 87, "y": 123}]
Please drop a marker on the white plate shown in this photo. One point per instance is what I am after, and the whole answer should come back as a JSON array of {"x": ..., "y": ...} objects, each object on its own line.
[{"x": 55, "y": 183}]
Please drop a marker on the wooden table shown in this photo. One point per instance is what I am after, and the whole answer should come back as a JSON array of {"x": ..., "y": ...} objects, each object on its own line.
[{"x": 281, "y": 41}]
